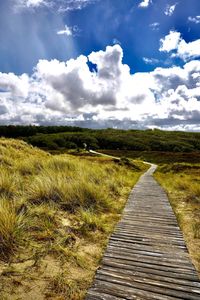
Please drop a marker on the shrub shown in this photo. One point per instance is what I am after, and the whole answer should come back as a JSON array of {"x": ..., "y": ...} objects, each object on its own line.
[{"x": 127, "y": 162}]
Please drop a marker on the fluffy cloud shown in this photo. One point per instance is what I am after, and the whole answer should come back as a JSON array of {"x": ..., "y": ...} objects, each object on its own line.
[
  {"x": 18, "y": 86},
  {"x": 182, "y": 49},
  {"x": 189, "y": 50},
  {"x": 69, "y": 31},
  {"x": 79, "y": 86},
  {"x": 145, "y": 3},
  {"x": 170, "y": 42},
  {"x": 106, "y": 94},
  {"x": 195, "y": 20},
  {"x": 170, "y": 9}
]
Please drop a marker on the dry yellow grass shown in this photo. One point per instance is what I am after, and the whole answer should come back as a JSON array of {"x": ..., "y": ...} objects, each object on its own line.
[{"x": 56, "y": 213}]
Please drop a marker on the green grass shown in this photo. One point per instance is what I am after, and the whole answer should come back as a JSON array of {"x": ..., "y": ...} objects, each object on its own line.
[
  {"x": 56, "y": 214},
  {"x": 182, "y": 183}
]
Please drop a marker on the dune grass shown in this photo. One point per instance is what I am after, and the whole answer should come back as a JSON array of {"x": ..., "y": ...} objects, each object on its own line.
[
  {"x": 56, "y": 213},
  {"x": 12, "y": 227},
  {"x": 182, "y": 183}
]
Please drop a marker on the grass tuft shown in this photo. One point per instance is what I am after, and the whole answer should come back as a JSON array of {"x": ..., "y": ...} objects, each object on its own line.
[
  {"x": 12, "y": 226},
  {"x": 67, "y": 288},
  {"x": 8, "y": 183}
]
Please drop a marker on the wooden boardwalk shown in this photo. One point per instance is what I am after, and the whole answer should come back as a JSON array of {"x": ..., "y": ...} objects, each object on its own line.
[{"x": 146, "y": 257}]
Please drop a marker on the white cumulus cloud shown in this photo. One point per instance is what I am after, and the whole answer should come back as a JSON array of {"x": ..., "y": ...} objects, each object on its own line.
[
  {"x": 109, "y": 95},
  {"x": 17, "y": 85},
  {"x": 145, "y": 3},
  {"x": 174, "y": 42},
  {"x": 170, "y": 42}
]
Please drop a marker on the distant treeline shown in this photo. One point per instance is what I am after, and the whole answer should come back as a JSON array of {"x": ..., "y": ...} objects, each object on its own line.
[
  {"x": 12, "y": 131},
  {"x": 66, "y": 137}
]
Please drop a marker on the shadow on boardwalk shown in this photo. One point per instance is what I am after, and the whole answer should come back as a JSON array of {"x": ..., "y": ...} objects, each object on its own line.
[{"x": 146, "y": 257}]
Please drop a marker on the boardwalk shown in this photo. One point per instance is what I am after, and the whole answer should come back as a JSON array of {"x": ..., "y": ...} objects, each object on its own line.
[{"x": 146, "y": 257}]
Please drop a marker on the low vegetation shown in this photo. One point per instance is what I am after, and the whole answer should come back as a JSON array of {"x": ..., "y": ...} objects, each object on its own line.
[
  {"x": 60, "y": 138},
  {"x": 56, "y": 213},
  {"x": 158, "y": 157},
  {"x": 182, "y": 183}
]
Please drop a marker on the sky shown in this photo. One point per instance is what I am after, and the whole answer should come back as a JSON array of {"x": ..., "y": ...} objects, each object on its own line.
[{"x": 100, "y": 63}]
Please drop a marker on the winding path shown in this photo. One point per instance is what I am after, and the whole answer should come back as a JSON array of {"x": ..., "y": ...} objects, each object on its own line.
[{"x": 146, "y": 257}]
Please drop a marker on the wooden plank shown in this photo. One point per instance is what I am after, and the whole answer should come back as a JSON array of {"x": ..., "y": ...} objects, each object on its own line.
[
  {"x": 92, "y": 295},
  {"x": 177, "y": 270},
  {"x": 148, "y": 242},
  {"x": 157, "y": 249},
  {"x": 186, "y": 278},
  {"x": 154, "y": 227},
  {"x": 147, "y": 260},
  {"x": 153, "y": 237},
  {"x": 148, "y": 287},
  {"x": 164, "y": 278},
  {"x": 149, "y": 255},
  {"x": 117, "y": 289},
  {"x": 134, "y": 278}
]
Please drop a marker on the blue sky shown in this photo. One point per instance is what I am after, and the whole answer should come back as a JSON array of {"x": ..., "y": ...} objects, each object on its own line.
[{"x": 148, "y": 77}]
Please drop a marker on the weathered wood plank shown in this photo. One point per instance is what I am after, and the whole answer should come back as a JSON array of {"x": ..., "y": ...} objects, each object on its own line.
[
  {"x": 149, "y": 256},
  {"x": 176, "y": 270},
  {"x": 180, "y": 282},
  {"x": 130, "y": 293},
  {"x": 96, "y": 296},
  {"x": 147, "y": 250},
  {"x": 141, "y": 258},
  {"x": 154, "y": 281},
  {"x": 148, "y": 287},
  {"x": 148, "y": 242},
  {"x": 151, "y": 273},
  {"x": 146, "y": 257}
]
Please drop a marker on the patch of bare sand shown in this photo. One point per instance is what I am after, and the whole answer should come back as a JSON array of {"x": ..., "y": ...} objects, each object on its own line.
[{"x": 27, "y": 280}]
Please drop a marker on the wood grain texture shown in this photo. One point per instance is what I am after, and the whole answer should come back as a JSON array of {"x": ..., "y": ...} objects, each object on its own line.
[{"x": 146, "y": 257}]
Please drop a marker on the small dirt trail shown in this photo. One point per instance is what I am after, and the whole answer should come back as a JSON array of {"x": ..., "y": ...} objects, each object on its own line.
[{"x": 146, "y": 257}]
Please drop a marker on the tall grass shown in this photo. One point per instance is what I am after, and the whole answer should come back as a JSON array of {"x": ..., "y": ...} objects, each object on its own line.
[
  {"x": 12, "y": 227},
  {"x": 68, "y": 189},
  {"x": 8, "y": 183}
]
